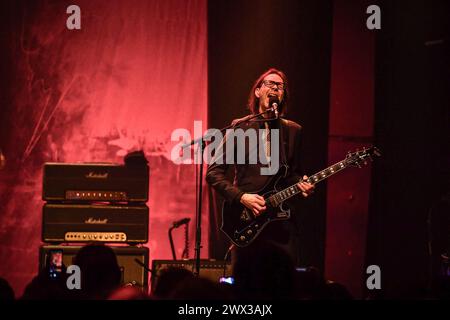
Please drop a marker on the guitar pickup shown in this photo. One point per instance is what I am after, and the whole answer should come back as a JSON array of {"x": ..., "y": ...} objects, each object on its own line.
[
  {"x": 245, "y": 215},
  {"x": 282, "y": 214}
]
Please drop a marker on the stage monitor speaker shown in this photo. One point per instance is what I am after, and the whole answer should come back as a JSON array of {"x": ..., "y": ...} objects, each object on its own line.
[
  {"x": 132, "y": 273},
  {"x": 209, "y": 268}
]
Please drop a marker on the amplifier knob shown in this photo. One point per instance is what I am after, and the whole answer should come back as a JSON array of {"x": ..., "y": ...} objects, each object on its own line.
[{"x": 242, "y": 238}]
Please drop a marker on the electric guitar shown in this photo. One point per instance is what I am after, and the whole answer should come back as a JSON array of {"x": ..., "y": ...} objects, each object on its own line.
[{"x": 240, "y": 224}]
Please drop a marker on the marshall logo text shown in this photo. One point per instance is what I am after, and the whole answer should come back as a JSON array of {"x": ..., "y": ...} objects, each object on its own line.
[
  {"x": 96, "y": 221},
  {"x": 93, "y": 175}
]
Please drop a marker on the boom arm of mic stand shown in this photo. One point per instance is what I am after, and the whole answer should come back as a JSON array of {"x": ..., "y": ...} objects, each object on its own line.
[{"x": 233, "y": 125}]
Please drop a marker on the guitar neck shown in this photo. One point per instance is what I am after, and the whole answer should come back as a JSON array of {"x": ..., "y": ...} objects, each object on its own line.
[
  {"x": 277, "y": 198},
  {"x": 328, "y": 172}
]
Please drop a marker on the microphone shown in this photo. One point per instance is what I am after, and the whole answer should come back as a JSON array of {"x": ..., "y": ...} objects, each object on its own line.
[
  {"x": 274, "y": 103},
  {"x": 179, "y": 223}
]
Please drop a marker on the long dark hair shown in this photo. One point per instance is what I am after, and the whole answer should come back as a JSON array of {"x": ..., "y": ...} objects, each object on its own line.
[{"x": 253, "y": 101}]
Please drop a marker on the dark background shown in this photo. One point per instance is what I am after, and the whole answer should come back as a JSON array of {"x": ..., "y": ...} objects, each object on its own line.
[
  {"x": 409, "y": 204},
  {"x": 245, "y": 38}
]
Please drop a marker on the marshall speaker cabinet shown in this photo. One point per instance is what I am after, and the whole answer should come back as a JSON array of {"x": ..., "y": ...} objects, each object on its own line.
[
  {"x": 132, "y": 272},
  {"x": 87, "y": 223}
]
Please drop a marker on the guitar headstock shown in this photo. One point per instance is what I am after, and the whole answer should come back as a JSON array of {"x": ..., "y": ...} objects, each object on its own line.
[{"x": 360, "y": 157}]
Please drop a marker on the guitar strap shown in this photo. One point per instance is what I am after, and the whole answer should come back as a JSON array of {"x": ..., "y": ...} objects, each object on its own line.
[{"x": 283, "y": 128}]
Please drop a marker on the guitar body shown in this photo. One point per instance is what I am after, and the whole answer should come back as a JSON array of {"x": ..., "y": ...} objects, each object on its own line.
[{"x": 240, "y": 224}]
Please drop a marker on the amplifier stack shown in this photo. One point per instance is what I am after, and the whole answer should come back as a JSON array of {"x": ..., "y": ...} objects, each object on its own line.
[{"x": 98, "y": 203}]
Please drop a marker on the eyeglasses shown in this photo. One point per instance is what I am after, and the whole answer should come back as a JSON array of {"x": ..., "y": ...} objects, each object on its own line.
[{"x": 271, "y": 84}]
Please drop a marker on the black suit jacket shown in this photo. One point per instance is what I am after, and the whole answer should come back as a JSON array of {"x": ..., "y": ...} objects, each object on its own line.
[{"x": 247, "y": 177}]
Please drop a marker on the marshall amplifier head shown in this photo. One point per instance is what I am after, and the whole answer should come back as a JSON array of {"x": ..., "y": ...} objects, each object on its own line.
[
  {"x": 95, "y": 223},
  {"x": 87, "y": 182}
]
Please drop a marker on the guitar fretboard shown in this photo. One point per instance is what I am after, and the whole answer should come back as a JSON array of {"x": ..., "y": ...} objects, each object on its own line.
[{"x": 277, "y": 198}]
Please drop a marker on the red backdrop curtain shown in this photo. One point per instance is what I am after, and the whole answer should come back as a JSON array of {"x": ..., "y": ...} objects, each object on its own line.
[{"x": 133, "y": 73}]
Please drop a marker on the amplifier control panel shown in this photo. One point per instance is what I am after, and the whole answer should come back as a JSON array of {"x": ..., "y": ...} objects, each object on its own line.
[{"x": 95, "y": 236}]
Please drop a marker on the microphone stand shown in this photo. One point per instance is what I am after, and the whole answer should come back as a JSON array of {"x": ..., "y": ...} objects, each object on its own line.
[
  {"x": 175, "y": 225},
  {"x": 202, "y": 142},
  {"x": 174, "y": 256}
]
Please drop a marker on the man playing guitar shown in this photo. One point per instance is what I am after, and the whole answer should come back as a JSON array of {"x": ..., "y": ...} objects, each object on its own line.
[{"x": 272, "y": 85}]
